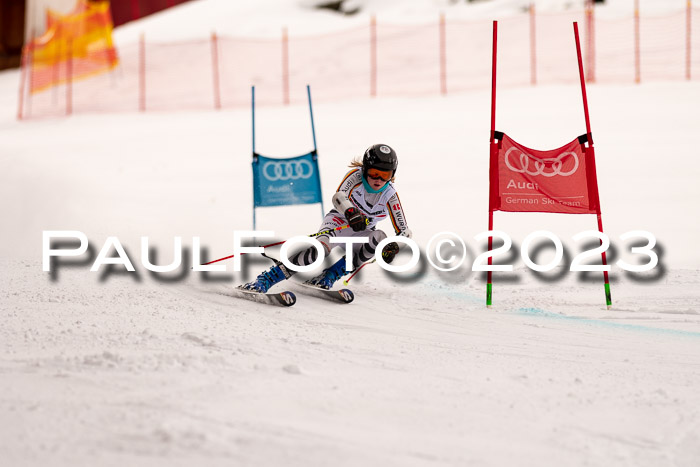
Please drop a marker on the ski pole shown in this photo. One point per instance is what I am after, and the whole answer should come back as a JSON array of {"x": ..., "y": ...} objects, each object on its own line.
[
  {"x": 345, "y": 282},
  {"x": 317, "y": 234}
]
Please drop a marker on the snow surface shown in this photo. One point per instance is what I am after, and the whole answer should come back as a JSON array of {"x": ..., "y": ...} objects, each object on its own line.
[
  {"x": 266, "y": 18},
  {"x": 115, "y": 368}
]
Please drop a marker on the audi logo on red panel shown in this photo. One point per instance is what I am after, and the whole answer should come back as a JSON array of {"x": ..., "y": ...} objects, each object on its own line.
[{"x": 548, "y": 167}]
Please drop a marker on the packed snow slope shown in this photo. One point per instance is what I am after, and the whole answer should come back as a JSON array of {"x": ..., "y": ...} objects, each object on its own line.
[{"x": 117, "y": 368}]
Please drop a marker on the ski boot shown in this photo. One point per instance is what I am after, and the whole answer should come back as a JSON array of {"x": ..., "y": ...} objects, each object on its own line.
[
  {"x": 267, "y": 279},
  {"x": 328, "y": 277}
]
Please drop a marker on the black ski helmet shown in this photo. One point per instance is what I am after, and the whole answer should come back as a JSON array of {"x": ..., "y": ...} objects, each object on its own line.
[{"x": 380, "y": 156}]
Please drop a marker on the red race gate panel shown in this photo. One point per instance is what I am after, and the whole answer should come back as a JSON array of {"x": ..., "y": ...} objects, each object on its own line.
[{"x": 528, "y": 180}]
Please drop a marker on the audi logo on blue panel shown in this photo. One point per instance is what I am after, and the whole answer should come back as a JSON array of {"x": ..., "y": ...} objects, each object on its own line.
[{"x": 287, "y": 170}]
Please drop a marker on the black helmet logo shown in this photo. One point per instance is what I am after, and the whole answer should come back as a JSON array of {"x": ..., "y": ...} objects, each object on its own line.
[{"x": 385, "y": 149}]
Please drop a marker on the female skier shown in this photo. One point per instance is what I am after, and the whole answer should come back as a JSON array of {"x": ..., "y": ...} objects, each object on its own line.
[{"x": 365, "y": 197}]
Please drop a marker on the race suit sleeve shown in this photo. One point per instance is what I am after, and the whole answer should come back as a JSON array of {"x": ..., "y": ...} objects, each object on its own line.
[
  {"x": 398, "y": 219},
  {"x": 341, "y": 199}
]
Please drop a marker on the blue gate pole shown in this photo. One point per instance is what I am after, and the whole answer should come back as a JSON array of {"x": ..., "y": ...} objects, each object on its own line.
[
  {"x": 313, "y": 134},
  {"x": 311, "y": 112},
  {"x": 252, "y": 89}
]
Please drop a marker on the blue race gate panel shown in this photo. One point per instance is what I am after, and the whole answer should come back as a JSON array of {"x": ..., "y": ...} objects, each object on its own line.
[
  {"x": 288, "y": 180},
  {"x": 284, "y": 181}
]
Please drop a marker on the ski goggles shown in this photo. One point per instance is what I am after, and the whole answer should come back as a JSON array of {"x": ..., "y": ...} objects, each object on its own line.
[{"x": 384, "y": 175}]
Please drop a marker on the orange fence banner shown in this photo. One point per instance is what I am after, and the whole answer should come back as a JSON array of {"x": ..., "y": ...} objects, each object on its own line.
[{"x": 76, "y": 45}]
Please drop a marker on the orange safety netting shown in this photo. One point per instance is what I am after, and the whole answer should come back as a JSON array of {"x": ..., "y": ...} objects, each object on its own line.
[
  {"x": 74, "y": 46},
  {"x": 373, "y": 60}
]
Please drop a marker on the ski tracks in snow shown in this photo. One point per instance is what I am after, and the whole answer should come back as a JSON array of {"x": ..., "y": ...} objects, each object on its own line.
[{"x": 408, "y": 374}]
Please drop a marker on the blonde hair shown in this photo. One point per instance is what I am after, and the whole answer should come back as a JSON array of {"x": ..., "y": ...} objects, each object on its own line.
[{"x": 356, "y": 162}]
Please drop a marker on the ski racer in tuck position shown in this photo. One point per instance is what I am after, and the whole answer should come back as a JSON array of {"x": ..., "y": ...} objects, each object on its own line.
[{"x": 365, "y": 196}]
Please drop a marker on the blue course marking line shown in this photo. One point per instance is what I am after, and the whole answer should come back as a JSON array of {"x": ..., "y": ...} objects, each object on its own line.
[
  {"x": 602, "y": 323},
  {"x": 575, "y": 319},
  {"x": 441, "y": 290}
]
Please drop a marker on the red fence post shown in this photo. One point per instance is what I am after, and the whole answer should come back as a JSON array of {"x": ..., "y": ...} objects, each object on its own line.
[
  {"x": 533, "y": 46},
  {"x": 590, "y": 50},
  {"x": 637, "y": 59},
  {"x": 55, "y": 67},
  {"x": 30, "y": 66},
  {"x": 142, "y": 73},
  {"x": 373, "y": 56},
  {"x": 285, "y": 67},
  {"x": 688, "y": 23},
  {"x": 69, "y": 79},
  {"x": 443, "y": 55},
  {"x": 22, "y": 79},
  {"x": 592, "y": 44},
  {"x": 215, "y": 70}
]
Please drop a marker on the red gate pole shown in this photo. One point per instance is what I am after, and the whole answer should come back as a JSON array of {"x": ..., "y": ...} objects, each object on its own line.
[
  {"x": 608, "y": 298},
  {"x": 69, "y": 79},
  {"x": 215, "y": 70},
  {"x": 688, "y": 23},
  {"x": 533, "y": 46},
  {"x": 285, "y": 67},
  {"x": 489, "y": 274},
  {"x": 142, "y": 73},
  {"x": 373, "y": 56},
  {"x": 443, "y": 55},
  {"x": 637, "y": 59},
  {"x": 583, "y": 85}
]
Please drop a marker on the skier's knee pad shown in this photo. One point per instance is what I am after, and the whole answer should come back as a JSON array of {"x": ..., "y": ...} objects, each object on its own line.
[
  {"x": 324, "y": 240},
  {"x": 366, "y": 251},
  {"x": 309, "y": 255},
  {"x": 375, "y": 237}
]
